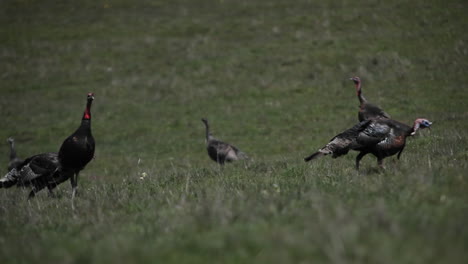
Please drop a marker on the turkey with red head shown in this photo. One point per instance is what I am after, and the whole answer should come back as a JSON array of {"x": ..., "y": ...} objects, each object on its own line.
[
  {"x": 366, "y": 109},
  {"x": 379, "y": 137},
  {"x": 78, "y": 149}
]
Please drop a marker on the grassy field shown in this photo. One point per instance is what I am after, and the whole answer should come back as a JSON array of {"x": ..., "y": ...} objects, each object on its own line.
[{"x": 272, "y": 77}]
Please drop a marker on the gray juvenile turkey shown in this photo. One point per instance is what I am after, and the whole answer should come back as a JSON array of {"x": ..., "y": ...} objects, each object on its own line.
[
  {"x": 379, "y": 137},
  {"x": 78, "y": 149},
  {"x": 366, "y": 109},
  {"x": 219, "y": 151},
  {"x": 38, "y": 172},
  {"x": 14, "y": 160}
]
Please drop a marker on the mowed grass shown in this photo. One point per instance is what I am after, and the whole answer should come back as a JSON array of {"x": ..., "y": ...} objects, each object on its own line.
[{"x": 272, "y": 77}]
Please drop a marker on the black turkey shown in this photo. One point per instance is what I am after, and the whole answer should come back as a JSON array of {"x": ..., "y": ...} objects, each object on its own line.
[
  {"x": 14, "y": 160},
  {"x": 219, "y": 151},
  {"x": 366, "y": 109},
  {"x": 38, "y": 171},
  {"x": 379, "y": 137},
  {"x": 78, "y": 149}
]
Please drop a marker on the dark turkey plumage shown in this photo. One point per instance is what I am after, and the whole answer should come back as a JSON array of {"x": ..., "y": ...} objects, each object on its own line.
[
  {"x": 78, "y": 149},
  {"x": 379, "y": 137},
  {"x": 14, "y": 160},
  {"x": 38, "y": 171},
  {"x": 219, "y": 151},
  {"x": 366, "y": 109}
]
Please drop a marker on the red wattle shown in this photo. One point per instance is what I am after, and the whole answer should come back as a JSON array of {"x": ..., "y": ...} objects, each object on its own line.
[{"x": 86, "y": 115}]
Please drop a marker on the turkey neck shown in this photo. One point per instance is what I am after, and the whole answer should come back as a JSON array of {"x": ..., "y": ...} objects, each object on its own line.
[
  {"x": 12, "y": 150},
  {"x": 414, "y": 128},
  {"x": 86, "y": 120},
  {"x": 207, "y": 131},
  {"x": 362, "y": 100}
]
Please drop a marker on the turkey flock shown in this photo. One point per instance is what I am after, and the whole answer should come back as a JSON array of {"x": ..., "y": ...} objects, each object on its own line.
[
  {"x": 376, "y": 134},
  {"x": 50, "y": 169}
]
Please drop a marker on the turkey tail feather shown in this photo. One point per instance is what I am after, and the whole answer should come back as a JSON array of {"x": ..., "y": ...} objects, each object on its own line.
[
  {"x": 10, "y": 179},
  {"x": 314, "y": 156}
]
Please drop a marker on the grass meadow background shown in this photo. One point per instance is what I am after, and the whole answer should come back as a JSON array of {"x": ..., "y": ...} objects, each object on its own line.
[{"x": 272, "y": 77}]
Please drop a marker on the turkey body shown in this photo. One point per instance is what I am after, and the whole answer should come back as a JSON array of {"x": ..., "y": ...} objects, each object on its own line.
[
  {"x": 219, "y": 151},
  {"x": 369, "y": 111},
  {"x": 38, "y": 171},
  {"x": 77, "y": 150},
  {"x": 222, "y": 152},
  {"x": 379, "y": 137}
]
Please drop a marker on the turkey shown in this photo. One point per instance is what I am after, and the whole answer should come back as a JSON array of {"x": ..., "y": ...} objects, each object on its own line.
[
  {"x": 14, "y": 160},
  {"x": 38, "y": 171},
  {"x": 219, "y": 151},
  {"x": 366, "y": 109},
  {"x": 379, "y": 137},
  {"x": 78, "y": 149}
]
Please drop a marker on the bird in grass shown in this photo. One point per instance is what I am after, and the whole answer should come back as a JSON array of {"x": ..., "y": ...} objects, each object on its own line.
[
  {"x": 38, "y": 171},
  {"x": 379, "y": 137},
  {"x": 50, "y": 169},
  {"x": 14, "y": 160},
  {"x": 78, "y": 149},
  {"x": 366, "y": 109},
  {"x": 220, "y": 151}
]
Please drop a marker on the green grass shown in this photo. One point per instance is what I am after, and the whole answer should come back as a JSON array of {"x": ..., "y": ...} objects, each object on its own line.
[{"x": 271, "y": 76}]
